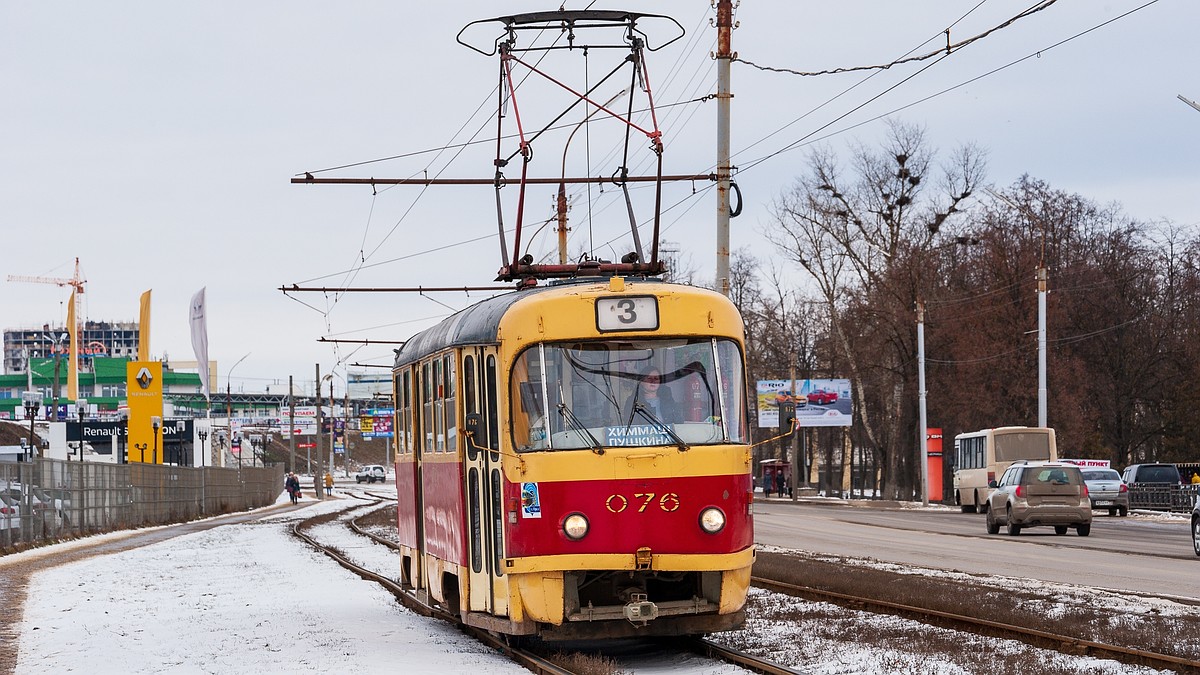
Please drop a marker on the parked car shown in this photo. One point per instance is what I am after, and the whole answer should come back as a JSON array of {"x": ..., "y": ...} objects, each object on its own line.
[
  {"x": 1157, "y": 486},
  {"x": 1030, "y": 494},
  {"x": 10, "y": 512},
  {"x": 822, "y": 396},
  {"x": 42, "y": 504},
  {"x": 1107, "y": 490},
  {"x": 371, "y": 473},
  {"x": 1151, "y": 474},
  {"x": 1196, "y": 527}
]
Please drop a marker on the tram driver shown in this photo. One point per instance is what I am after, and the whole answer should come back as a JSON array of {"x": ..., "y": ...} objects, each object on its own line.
[{"x": 655, "y": 398}]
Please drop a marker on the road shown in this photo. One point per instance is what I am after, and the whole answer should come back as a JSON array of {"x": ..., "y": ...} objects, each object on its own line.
[{"x": 1125, "y": 554}]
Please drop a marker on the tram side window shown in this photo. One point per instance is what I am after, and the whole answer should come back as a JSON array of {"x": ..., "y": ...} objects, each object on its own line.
[
  {"x": 469, "y": 404},
  {"x": 439, "y": 405},
  {"x": 405, "y": 426},
  {"x": 451, "y": 415},
  {"x": 427, "y": 406},
  {"x": 493, "y": 419}
]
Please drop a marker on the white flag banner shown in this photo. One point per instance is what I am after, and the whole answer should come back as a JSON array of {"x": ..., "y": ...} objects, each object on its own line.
[{"x": 200, "y": 338}]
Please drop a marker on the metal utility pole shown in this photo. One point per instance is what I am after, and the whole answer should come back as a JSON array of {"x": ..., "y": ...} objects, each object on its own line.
[
  {"x": 724, "y": 57},
  {"x": 331, "y": 419},
  {"x": 922, "y": 434},
  {"x": 797, "y": 459},
  {"x": 291, "y": 425},
  {"x": 1042, "y": 278},
  {"x": 562, "y": 223},
  {"x": 345, "y": 434},
  {"x": 316, "y": 478}
]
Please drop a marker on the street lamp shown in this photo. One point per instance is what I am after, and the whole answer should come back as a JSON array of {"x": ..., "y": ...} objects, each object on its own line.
[
  {"x": 33, "y": 401},
  {"x": 203, "y": 434},
  {"x": 180, "y": 426},
  {"x": 81, "y": 408},
  {"x": 58, "y": 342},
  {"x": 229, "y": 409},
  {"x": 155, "y": 424}
]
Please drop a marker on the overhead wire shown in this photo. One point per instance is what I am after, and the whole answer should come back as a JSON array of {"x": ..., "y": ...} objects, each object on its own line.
[
  {"x": 924, "y": 57},
  {"x": 1034, "y": 54}
]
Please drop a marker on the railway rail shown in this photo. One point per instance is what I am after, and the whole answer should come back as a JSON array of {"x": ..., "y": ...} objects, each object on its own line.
[
  {"x": 1062, "y": 643},
  {"x": 525, "y": 655}
]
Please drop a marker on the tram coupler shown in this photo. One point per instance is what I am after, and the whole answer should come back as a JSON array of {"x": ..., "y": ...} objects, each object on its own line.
[{"x": 639, "y": 610}]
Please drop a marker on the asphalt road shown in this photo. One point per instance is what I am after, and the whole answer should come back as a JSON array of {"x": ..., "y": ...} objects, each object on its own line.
[{"x": 1130, "y": 554}]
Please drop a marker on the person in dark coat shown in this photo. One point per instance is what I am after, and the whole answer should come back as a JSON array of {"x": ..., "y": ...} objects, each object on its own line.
[
  {"x": 292, "y": 484},
  {"x": 779, "y": 483}
]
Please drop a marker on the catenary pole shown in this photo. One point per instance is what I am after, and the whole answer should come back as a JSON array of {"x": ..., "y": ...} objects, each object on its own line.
[
  {"x": 291, "y": 425},
  {"x": 724, "y": 56},
  {"x": 1042, "y": 278},
  {"x": 922, "y": 434},
  {"x": 317, "y": 474}
]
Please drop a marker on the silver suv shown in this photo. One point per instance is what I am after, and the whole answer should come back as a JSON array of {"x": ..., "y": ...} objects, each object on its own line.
[
  {"x": 1040, "y": 493},
  {"x": 371, "y": 473}
]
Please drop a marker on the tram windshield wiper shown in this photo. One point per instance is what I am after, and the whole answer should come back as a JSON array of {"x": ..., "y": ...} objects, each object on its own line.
[
  {"x": 639, "y": 407},
  {"x": 578, "y": 426}
]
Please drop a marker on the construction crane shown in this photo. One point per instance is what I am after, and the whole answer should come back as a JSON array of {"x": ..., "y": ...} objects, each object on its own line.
[{"x": 77, "y": 284}]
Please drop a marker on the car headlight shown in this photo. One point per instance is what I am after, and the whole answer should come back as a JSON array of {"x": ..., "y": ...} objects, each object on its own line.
[
  {"x": 712, "y": 520},
  {"x": 575, "y": 526}
]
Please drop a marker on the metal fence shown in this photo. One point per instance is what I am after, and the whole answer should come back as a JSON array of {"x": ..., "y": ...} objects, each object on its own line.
[
  {"x": 1176, "y": 498},
  {"x": 49, "y": 499}
]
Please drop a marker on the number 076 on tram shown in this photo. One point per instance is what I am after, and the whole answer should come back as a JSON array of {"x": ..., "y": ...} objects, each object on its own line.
[{"x": 573, "y": 461}]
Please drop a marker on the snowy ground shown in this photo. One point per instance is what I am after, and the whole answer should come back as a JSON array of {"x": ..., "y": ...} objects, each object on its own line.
[
  {"x": 251, "y": 599},
  {"x": 236, "y": 599}
]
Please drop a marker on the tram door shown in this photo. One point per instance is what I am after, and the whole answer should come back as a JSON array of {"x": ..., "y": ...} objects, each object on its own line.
[{"x": 484, "y": 481}]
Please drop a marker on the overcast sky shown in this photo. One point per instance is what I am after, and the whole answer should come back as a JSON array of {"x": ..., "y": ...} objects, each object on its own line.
[{"x": 156, "y": 141}]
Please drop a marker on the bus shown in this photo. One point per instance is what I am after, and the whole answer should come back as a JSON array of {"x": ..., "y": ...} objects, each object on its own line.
[{"x": 982, "y": 456}]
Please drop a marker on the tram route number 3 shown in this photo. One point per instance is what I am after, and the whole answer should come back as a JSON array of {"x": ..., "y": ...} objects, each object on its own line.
[
  {"x": 627, "y": 313},
  {"x": 641, "y": 501}
]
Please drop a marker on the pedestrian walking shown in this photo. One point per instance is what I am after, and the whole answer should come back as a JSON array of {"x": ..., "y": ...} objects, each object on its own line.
[{"x": 292, "y": 483}]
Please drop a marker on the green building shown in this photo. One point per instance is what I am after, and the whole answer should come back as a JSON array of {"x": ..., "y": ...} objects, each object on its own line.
[{"x": 103, "y": 387}]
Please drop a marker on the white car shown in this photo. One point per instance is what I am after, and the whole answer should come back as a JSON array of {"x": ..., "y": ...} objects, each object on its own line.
[
  {"x": 371, "y": 473},
  {"x": 10, "y": 512}
]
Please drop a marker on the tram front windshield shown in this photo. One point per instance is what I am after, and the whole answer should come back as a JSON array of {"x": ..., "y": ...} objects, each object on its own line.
[{"x": 620, "y": 393}]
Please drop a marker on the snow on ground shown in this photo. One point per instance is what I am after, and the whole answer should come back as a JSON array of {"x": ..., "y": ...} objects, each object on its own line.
[
  {"x": 819, "y": 638},
  {"x": 246, "y": 598},
  {"x": 251, "y": 598}
]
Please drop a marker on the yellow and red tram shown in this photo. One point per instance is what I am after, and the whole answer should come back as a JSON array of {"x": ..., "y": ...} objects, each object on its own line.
[{"x": 544, "y": 489}]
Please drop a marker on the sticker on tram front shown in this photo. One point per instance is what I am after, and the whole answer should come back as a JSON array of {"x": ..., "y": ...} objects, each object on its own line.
[{"x": 531, "y": 503}]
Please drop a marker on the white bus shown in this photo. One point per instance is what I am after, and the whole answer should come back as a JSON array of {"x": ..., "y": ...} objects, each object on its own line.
[{"x": 982, "y": 456}]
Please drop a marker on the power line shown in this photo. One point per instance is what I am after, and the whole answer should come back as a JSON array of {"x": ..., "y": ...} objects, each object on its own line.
[
  {"x": 1035, "y": 54},
  {"x": 948, "y": 49}
]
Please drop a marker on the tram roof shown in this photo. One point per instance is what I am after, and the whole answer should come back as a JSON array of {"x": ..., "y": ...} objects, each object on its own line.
[{"x": 479, "y": 323}]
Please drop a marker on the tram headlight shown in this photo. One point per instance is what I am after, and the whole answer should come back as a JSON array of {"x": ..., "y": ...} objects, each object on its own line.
[
  {"x": 712, "y": 520},
  {"x": 575, "y": 526}
]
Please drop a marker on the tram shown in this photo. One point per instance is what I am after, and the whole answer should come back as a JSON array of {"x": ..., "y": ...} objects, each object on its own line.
[{"x": 574, "y": 461}]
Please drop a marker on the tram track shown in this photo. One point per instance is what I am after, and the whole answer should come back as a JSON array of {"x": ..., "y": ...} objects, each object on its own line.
[
  {"x": 537, "y": 657},
  {"x": 1065, "y": 644}
]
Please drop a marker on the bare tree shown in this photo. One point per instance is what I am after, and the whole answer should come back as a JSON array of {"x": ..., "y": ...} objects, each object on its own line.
[{"x": 863, "y": 239}]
